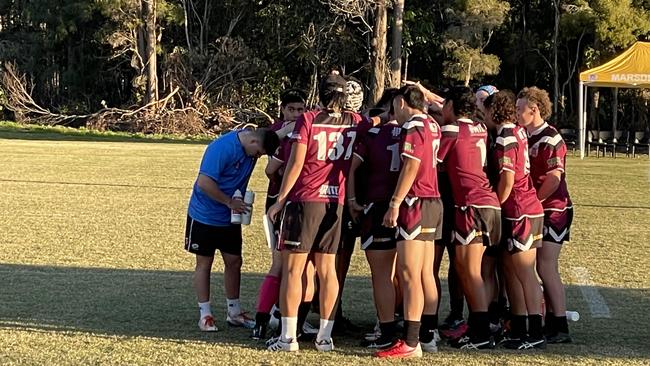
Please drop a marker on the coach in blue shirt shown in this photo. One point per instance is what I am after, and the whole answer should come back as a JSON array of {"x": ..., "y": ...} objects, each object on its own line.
[{"x": 226, "y": 167}]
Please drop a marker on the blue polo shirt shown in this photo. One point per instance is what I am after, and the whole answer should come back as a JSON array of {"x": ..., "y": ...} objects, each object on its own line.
[{"x": 226, "y": 162}]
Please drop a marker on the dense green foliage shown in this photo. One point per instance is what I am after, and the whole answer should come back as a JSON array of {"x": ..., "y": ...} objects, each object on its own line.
[{"x": 82, "y": 55}]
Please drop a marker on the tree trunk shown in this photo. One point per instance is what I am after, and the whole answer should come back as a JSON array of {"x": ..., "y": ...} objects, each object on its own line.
[
  {"x": 396, "y": 57},
  {"x": 377, "y": 81},
  {"x": 151, "y": 71},
  {"x": 468, "y": 76}
]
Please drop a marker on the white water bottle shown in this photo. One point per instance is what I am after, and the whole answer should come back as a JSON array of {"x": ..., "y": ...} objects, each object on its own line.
[
  {"x": 573, "y": 316},
  {"x": 249, "y": 199},
  {"x": 235, "y": 217}
]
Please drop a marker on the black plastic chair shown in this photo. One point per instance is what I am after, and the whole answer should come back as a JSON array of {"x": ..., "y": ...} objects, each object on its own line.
[
  {"x": 641, "y": 141},
  {"x": 570, "y": 139},
  {"x": 594, "y": 140}
]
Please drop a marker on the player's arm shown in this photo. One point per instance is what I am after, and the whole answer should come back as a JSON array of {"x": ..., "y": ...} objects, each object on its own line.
[
  {"x": 210, "y": 187},
  {"x": 407, "y": 176},
  {"x": 291, "y": 174},
  {"x": 506, "y": 182},
  {"x": 273, "y": 166},
  {"x": 550, "y": 184}
]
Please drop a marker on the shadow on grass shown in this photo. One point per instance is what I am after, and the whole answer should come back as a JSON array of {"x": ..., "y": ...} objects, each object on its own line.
[
  {"x": 160, "y": 304},
  {"x": 30, "y": 133}
]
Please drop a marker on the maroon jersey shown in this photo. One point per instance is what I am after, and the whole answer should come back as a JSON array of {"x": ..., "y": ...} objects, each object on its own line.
[
  {"x": 421, "y": 141},
  {"x": 379, "y": 149},
  {"x": 548, "y": 153},
  {"x": 463, "y": 147},
  {"x": 330, "y": 143},
  {"x": 511, "y": 152},
  {"x": 275, "y": 181}
]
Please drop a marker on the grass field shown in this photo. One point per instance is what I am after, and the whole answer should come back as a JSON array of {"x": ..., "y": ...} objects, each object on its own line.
[{"x": 92, "y": 269}]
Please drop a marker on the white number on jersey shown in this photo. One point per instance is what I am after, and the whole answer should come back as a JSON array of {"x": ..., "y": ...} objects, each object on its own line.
[{"x": 336, "y": 148}]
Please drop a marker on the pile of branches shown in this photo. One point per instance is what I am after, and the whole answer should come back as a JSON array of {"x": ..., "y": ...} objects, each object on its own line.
[{"x": 172, "y": 114}]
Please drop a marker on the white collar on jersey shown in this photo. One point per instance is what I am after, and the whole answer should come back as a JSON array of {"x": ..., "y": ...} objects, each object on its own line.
[
  {"x": 420, "y": 115},
  {"x": 465, "y": 120},
  {"x": 538, "y": 130},
  {"x": 505, "y": 125}
]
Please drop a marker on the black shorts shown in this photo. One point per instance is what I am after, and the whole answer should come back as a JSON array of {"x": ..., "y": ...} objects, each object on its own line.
[
  {"x": 447, "y": 234},
  {"x": 204, "y": 240},
  {"x": 311, "y": 227},
  {"x": 349, "y": 230},
  {"x": 419, "y": 219},
  {"x": 476, "y": 225},
  {"x": 270, "y": 201},
  {"x": 523, "y": 234},
  {"x": 557, "y": 225},
  {"x": 374, "y": 235}
]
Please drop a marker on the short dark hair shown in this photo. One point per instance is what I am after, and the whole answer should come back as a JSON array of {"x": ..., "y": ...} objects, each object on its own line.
[
  {"x": 270, "y": 140},
  {"x": 332, "y": 92},
  {"x": 463, "y": 99},
  {"x": 292, "y": 96},
  {"x": 503, "y": 106},
  {"x": 413, "y": 97}
]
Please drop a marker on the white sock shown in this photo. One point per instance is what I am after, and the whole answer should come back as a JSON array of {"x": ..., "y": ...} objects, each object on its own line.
[
  {"x": 204, "y": 308},
  {"x": 325, "y": 330},
  {"x": 289, "y": 329},
  {"x": 233, "y": 307}
]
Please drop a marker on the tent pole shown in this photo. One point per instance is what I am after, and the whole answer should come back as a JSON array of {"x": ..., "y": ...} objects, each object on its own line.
[
  {"x": 581, "y": 119},
  {"x": 615, "y": 114}
]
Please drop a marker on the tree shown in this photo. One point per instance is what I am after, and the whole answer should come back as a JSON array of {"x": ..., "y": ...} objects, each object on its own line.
[
  {"x": 150, "y": 45},
  {"x": 378, "y": 68},
  {"x": 396, "y": 54},
  {"x": 471, "y": 26}
]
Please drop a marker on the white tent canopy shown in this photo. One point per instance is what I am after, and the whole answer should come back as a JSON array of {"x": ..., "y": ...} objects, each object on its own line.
[{"x": 631, "y": 69}]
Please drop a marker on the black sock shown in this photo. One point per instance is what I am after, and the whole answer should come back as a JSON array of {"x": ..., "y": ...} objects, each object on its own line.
[
  {"x": 303, "y": 311},
  {"x": 535, "y": 326},
  {"x": 429, "y": 324},
  {"x": 262, "y": 318},
  {"x": 457, "y": 306},
  {"x": 388, "y": 329},
  {"x": 561, "y": 324},
  {"x": 494, "y": 311},
  {"x": 479, "y": 325},
  {"x": 339, "y": 310},
  {"x": 518, "y": 326},
  {"x": 550, "y": 327},
  {"x": 411, "y": 332}
]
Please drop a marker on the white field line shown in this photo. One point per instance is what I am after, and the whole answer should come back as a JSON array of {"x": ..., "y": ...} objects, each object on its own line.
[{"x": 593, "y": 298}]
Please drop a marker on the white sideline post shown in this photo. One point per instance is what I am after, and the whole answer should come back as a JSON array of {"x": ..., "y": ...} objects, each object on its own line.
[{"x": 581, "y": 119}]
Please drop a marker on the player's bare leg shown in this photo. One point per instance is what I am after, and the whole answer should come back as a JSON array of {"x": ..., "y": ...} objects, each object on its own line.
[
  {"x": 382, "y": 269},
  {"x": 524, "y": 268},
  {"x": 517, "y": 299},
  {"x": 547, "y": 268},
  {"x": 328, "y": 294},
  {"x": 429, "y": 318},
  {"x": 291, "y": 293},
  {"x": 410, "y": 263}
]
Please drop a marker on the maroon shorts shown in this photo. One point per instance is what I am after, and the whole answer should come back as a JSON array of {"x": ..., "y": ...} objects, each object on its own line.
[
  {"x": 523, "y": 234},
  {"x": 557, "y": 225},
  {"x": 420, "y": 219},
  {"x": 311, "y": 227},
  {"x": 477, "y": 225},
  {"x": 374, "y": 235}
]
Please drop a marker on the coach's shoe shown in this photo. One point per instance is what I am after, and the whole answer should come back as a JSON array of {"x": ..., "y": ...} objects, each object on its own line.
[
  {"x": 430, "y": 347},
  {"x": 206, "y": 324},
  {"x": 281, "y": 345},
  {"x": 472, "y": 344},
  {"x": 526, "y": 344},
  {"x": 559, "y": 337},
  {"x": 324, "y": 345},
  {"x": 400, "y": 350},
  {"x": 240, "y": 320}
]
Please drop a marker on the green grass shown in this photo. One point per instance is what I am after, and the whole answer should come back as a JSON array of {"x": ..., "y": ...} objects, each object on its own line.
[
  {"x": 93, "y": 271},
  {"x": 14, "y": 130}
]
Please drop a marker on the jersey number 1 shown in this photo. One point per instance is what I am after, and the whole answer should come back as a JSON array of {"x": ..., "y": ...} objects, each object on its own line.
[{"x": 337, "y": 147}]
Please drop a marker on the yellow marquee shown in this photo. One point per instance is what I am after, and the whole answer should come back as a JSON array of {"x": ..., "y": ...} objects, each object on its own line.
[{"x": 631, "y": 69}]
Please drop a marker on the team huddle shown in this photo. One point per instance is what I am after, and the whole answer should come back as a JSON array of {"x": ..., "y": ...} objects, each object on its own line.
[{"x": 479, "y": 174}]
